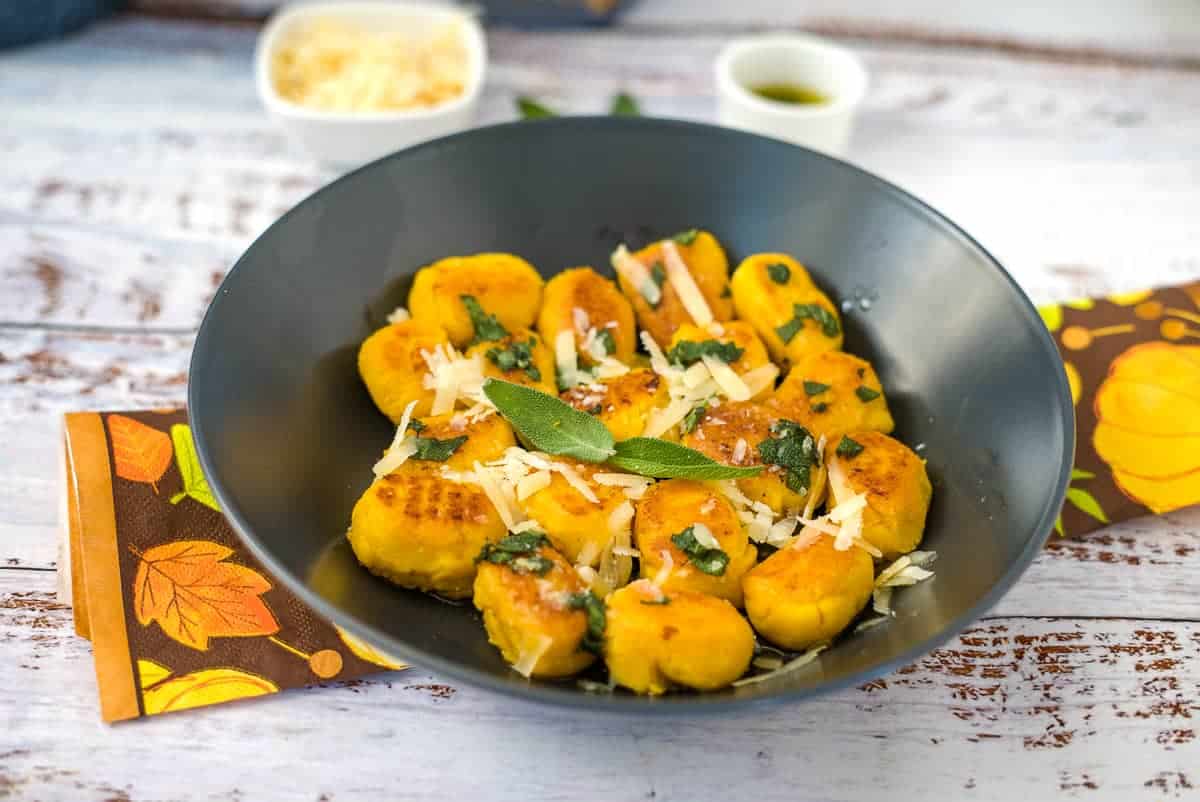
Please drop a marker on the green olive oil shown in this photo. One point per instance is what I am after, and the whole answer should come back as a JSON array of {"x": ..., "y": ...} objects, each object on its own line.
[{"x": 792, "y": 94}]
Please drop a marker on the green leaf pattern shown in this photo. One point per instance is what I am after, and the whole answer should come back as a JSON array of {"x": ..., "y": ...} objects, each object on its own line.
[{"x": 195, "y": 485}]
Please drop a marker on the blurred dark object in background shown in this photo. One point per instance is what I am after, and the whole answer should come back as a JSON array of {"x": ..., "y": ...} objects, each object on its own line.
[
  {"x": 551, "y": 13},
  {"x": 24, "y": 22}
]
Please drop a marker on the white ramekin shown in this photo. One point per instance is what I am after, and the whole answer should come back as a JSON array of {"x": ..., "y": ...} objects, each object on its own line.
[
  {"x": 349, "y": 139},
  {"x": 772, "y": 59}
]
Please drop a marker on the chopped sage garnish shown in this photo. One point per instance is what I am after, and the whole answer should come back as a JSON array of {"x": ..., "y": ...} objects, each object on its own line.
[
  {"x": 815, "y": 312},
  {"x": 726, "y": 292},
  {"x": 664, "y": 599},
  {"x": 686, "y": 237},
  {"x": 519, "y": 552},
  {"x": 779, "y": 273},
  {"x": 848, "y": 447},
  {"x": 692, "y": 419},
  {"x": 416, "y": 426},
  {"x": 431, "y": 449},
  {"x": 710, "y": 561},
  {"x": 597, "y": 619},
  {"x": 487, "y": 327},
  {"x": 517, "y": 356},
  {"x": 687, "y": 352},
  {"x": 814, "y": 388},
  {"x": 793, "y": 449},
  {"x": 819, "y": 407},
  {"x": 866, "y": 394},
  {"x": 606, "y": 340}
]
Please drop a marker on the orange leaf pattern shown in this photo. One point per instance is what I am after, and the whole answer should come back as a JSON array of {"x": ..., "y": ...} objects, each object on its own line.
[
  {"x": 141, "y": 453},
  {"x": 207, "y": 687},
  {"x": 194, "y": 596}
]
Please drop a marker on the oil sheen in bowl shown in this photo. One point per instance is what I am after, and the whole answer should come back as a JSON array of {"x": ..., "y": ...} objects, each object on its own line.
[{"x": 791, "y": 94}]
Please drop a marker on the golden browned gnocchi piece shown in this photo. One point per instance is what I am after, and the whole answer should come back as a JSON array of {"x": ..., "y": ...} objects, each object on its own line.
[
  {"x": 521, "y": 357},
  {"x": 622, "y": 403},
  {"x": 698, "y": 529},
  {"x": 578, "y": 528},
  {"x": 483, "y": 440},
  {"x": 833, "y": 392},
  {"x": 421, "y": 530},
  {"x": 808, "y": 591},
  {"x": 775, "y": 293},
  {"x": 528, "y": 596},
  {"x": 896, "y": 484},
  {"x": 733, "y": 434},
  {"x": 705, "y": 260},
  {"x": 580, "y": 299},
  {"x": 655, "y": 640},
  {"x": 740, "y": 333},
  {"x": 503, "y": 285},
  {"x": 391, "y": 365}
]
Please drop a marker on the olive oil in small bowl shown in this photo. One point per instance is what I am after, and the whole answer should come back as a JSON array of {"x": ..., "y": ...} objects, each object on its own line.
[
  {"x": 792, "y": 94},
  {"x": 800, "y": 89}
]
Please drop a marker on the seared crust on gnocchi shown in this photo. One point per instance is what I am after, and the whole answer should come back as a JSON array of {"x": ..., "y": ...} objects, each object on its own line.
[
  {"x": 623, "y": 403},
  {"x": 522, "y": 357},
  {"x": 504, "y": 285},
  {"x": 580, "y": 299}
]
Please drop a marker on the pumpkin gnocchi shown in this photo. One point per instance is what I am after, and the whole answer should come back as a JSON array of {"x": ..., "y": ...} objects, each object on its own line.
[{"x": 615, "y": 478}]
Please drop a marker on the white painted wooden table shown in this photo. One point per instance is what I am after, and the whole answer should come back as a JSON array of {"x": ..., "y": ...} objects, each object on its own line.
[{"x": 135, "y": 165}]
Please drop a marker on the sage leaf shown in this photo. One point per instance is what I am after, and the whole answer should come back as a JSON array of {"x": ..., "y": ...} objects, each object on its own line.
[
  {"x": 530, "y": 109},
  {"x": 550, "y": 424},
  {"x": 623, "y": 105},
  {"x": 660, "y": 459},
  {"x": 195, "y": 485}
]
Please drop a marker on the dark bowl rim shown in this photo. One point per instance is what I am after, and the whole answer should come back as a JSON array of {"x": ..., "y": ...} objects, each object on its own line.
[{"x": 669, "y": 704}]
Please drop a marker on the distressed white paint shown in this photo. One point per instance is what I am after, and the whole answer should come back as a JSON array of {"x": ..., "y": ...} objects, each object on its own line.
[{"x": 1082, "y": 178}]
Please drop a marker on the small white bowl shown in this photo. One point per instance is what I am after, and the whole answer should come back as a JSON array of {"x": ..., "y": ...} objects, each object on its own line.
[
  {"x": 833, "y": 71},
  {"x": 354, "y": 138}
]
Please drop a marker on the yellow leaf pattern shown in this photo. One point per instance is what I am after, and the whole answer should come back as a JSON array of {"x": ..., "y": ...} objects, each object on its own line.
[{"x": 207, "y": 687}]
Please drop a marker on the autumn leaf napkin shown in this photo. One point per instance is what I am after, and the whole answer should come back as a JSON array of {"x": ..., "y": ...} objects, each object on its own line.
[
  {"x": 178, "y": 612},
  {"x": 1133, "y": 364}
]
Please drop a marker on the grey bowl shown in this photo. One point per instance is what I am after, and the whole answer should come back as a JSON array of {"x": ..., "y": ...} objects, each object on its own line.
[{"x": 286, "y": 432}]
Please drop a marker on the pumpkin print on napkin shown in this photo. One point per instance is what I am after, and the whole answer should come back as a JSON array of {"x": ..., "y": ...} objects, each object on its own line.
[{"x": 1133, "y": 364}]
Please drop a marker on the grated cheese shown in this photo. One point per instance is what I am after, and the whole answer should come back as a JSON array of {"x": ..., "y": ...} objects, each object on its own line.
[
  {"x": 664, "y": 571},
  {"x": 566, "y": 359},
  {"x": 333, "y": 65},
  {"x": 739, "y": 451},
  {"x": 870, "y": 623},
  {"x": 498, "y": 494},
  {"x": 588, "y": 554},
  {"x": 398, "y": 315},
  {"x": 761, "y": 378},
  {"x": 402, "y": 446},
  {"x": 529, "y": 658},
  {"x": 730, "y": 383},
  {"x": 633, "y": 271},
  {"x": 580, "y": 318},
  {"x": 685, "y": 286},
  {"x": 576, "y": 481},
  {"x": 532, "y": 483},
  {"x": 610, "y": 368},
  {"x": 704, "y": 536},
  {"x": 453, "y": 377},
  {"x": 799, "y": 662}
]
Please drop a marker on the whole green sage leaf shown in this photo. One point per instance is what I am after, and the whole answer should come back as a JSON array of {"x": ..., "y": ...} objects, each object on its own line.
[
  {"x": 530, "y": 109},
  {"x": 550, "y": 424},
  {"x": 660, "y": 459}
]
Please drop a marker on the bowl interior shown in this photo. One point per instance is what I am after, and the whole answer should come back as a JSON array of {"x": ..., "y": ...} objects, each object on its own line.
[{"x": 287, "y": 434}]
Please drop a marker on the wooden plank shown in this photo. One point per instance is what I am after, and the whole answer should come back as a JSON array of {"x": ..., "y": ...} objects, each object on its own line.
[
  {"x": 165, "y": 186},
  {"x": 1152, "y": 30},
  {"x": 1015, "y": 707}
]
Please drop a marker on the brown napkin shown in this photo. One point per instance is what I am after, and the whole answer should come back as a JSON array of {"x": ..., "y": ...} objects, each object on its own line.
[
  {"x": 1133, "y": 363},
  {"x": 178, "y": 612}
]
